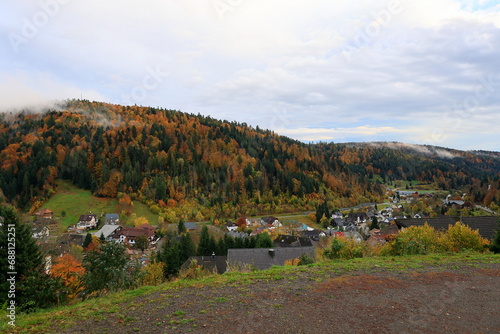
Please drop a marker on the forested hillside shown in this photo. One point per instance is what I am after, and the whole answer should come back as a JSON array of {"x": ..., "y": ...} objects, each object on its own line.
[{"x": 203, "y": 168}]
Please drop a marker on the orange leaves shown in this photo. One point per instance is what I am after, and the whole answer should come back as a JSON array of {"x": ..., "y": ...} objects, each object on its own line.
[{"x": 71, "y": 272}]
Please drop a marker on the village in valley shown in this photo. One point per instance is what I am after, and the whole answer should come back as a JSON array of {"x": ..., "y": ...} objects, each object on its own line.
[{"x": 293, "y": 236}]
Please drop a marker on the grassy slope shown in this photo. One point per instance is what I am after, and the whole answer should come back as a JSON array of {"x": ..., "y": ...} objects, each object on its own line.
[
  {"x": 75, "y": 202},
  {"x": 57, "y": 319}
]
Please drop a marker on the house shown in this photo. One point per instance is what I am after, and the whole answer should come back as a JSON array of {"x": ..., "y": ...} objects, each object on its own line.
[
  {"x": 111, "y": 219},
  {"x": 356, "y": 236},
  {"x": 271, "y": 222},
  {"x": 40, "y": 232},
  {"x": 238, "y": 235},
  {"x": 265, "y": 258},
  {"x": 357, "y": 217},
  {"x": 376, "y": 239},
  {"x": 212, "y": 264},
  {"x": 291, "y": 241},
  {"x": 44, "y": 214},
  {"x": 87, "y": 222},
  {"x": 338, "y": 222},
  {"x": 314, "y": 235},
  {"x": 128, "y": 235},
  {"x": 108, "y": 230},
  {"x": 336, "y": 214},
  {"x": 231, "y": 226},
  {"x": 72, "y": 239}
]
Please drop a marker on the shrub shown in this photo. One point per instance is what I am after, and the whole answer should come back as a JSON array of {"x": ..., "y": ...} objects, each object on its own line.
[
  {"x": 194, "y": 271},
  {"x": 416, "y": 240},
  {"x": 305, "y": 259},
  {"x": 345, "y": 248},
  {"x": 462, "y": 237}
]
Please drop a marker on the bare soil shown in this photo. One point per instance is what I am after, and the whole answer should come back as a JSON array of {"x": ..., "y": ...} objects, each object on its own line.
[{"x": 456, "y": 299}]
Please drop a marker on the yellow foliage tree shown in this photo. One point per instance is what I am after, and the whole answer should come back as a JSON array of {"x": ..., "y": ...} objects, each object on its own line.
[{"x": 139, "y": 221}]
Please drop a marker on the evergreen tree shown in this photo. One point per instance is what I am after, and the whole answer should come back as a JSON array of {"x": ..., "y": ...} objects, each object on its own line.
[
  {"x": 34, "y": 288},
  {"x": 204, "y": 247},
  {"x": 107, "y": 269},
  {"x": 181, "y": 227},
  {"x": 87, "y": 241},
  {"x": 187, "y": 247},
  {"x": 495, "y": 244},
  {"x": 374, "y": 223}
]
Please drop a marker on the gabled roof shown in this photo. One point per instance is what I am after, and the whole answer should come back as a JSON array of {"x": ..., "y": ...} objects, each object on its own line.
[
  {"x": 44, "y": 212},
  {"x": 87, "y": 218},
  {"x": 487, "y": 225},
  {"x": 264, "y": 258},
  {"x": 106, "y": 230},
  {"x": 112, "y": 216}
]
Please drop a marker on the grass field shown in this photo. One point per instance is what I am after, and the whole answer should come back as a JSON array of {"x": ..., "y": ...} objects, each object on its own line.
[{"x": 75, "y": 202}]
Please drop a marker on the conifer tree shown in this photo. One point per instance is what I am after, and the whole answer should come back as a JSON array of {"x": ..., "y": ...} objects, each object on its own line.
[{"x": 204, "y": 246}]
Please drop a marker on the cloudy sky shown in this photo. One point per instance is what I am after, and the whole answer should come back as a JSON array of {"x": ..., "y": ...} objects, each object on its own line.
[{"x": 422, "y": 72}]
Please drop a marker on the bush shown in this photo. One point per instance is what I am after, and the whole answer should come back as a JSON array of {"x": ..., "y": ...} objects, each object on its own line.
[
  {"x": 416, "y": 240},
  {"x": 345, "y": 248},
  {"x": 305, "y": 259},
  {"x": 461, "y": 237}
]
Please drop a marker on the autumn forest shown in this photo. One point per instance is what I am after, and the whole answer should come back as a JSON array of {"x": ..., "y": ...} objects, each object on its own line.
[{"x": 201, "y": 168}]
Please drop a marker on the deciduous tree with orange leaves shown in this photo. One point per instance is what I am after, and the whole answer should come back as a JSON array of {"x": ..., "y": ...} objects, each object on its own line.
[{"x": 71, "y": 272}]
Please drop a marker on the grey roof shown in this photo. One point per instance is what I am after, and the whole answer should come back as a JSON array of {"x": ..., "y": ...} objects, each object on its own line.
[
  {"x": 238, "y": 235},
  {"x": 191, "y": 226},
  {"x": 487, "y": 225},
  {"x": 264, "y": 258},
  {"x": 107, "y": 230},
  {"x": 219, "y": 263},
  {"x": 112, "y": 216}
]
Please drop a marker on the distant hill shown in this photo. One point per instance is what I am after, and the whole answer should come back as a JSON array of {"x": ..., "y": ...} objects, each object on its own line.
[{"x": 210, "y": 168}]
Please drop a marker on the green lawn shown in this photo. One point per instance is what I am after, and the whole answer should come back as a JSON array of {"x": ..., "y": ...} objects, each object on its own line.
[{"x": 75, "y": 202}]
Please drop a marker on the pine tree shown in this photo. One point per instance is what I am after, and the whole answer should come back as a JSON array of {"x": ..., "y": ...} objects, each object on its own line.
[
  {"x": 374, "y": 223},
  {"x": 106, "y": 269},
  {"x": 181, "y": 227},
  {"x": 187, "y": 247},
  {"x": 87, "y": 241},
  {"x": 34, "y": 288},
  {"x": 495, "y": 244},
  {"x": 204, "y": 244}
]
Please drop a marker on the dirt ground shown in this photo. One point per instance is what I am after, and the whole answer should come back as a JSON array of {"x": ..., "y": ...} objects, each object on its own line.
[{"x": 432, "y": 300}]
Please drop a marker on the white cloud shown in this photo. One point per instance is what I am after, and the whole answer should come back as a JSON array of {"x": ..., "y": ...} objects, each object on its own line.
[{"x": 326, "y": 64}]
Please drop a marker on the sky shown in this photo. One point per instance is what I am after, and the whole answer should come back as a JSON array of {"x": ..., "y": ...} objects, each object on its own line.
[{"x": 418, "y": 72}]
